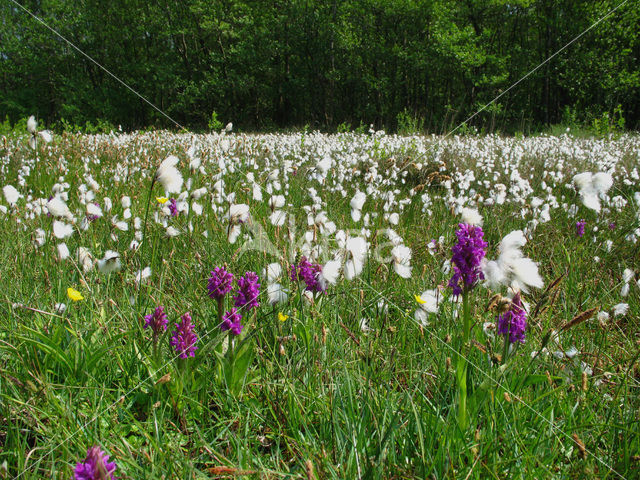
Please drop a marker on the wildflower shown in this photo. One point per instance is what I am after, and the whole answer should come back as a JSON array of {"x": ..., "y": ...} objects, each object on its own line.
[
  {"x": 110, "y": 263},
  {"x": 471, "y": 217},
  {"x": 58, "y": 208},
  {"x": 357, "y": 202},
  {"x": 157, "y": 320},
  {"x": 277, "y": 294},
  {"x": 168, "y": 175},
  {"x": 11, "y": 194},
  {"x": 591, "y": 186},
  {"x": 183, "y": 339},
  {"x": 96, "y": 466},
  {"x": 309, "y": 273},
  {"x": 282, "y": 317},
  {"x": 401, "y": 260},
  {"x": 62, "y": 230},
  {"x": 162, "y": 200},
  {"x": 32, "y": 128},
  {"x": 580, "y": 228},
  {"x": 356, "y": 251},
  {"x": 514, "y": 321},
  {"x": 612, "y": 226},
  {"x": 74, "y": 294},
  {"x": 173, "y": 207},
  {"x": 620, "y": 309},
  {"x": 248, "y": 291},
  {"x": 512, "y": 269},
  {"x": 467, "y": 258},
  {"x": 220, "y": 283},
  {"x": 231, "y": 321}
]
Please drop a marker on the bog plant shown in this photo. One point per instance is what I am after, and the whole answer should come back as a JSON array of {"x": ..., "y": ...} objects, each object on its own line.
[{"x": 348, "y": 306}]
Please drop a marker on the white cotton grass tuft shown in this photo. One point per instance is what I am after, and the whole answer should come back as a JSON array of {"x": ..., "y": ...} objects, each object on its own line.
[
  {"x": 620, "y": 309},
  {"x": 401, "y": 255},
  {"x": 276, "y": 294},
  {"x": 330, "y": 273},
  {"x": 142, "y": 275},
  {"x": 32, "y": 128},
  {"x": 591, "y": 186},
  {"x": 169, "y": 176},
  {"x": 471, "y": 217},
  {"x": 84, "y": 259},
  {"x": 110, "y": 263},
  {"x": 11, "y": 195},
  {"x": 356, "y": 203},
  {"x": 512, "y": 269},
  {"x": 63, "y": 251},
  {"x": 62, "y": 230},
  {"x": 58, "y": 208},
  {"x": 356, "y": 249}
]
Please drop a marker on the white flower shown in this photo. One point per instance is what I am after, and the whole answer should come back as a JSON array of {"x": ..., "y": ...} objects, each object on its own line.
[
  {"x": 62, "y": 230},
  {"x": 402, "y": 260},
  {"x": 63, "y": 251},
  {"x": 142, "y": 275},
  {"x": 330, "y": 273},
  {"x": 278, "y": 218},
  {"x": 276, "y": 294},
  {"x": 471, "y": 217},
  {"x": 172, "y": 232},
  {"x": 273, "y": 272},
  {"x": 591, "y": 186},
  {"x": 93, "y": 209},
  {"x": 40, "y": 237},
  {"x": 356, "y": 248},
  {"x": 620, "y": 309},
  {"x": 603, "y": 318},
  {"x": 11, "y": 194},
  {"x": 512, "y": 269},
  {"x": 430, "y": 300},
  {"x": 84, "y": 258},
  {"x": 110, "y": 263},
  {"x": 32, "y": 125},
  {"x": 169, "y": 176},
  {"x": 58, "y": 208},
  {"x": 357, "y": 202},
  {"x": 238, "y": 213}
]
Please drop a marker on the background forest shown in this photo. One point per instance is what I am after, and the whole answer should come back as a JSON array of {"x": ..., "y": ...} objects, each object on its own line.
[{"x": 420, "y": 65}]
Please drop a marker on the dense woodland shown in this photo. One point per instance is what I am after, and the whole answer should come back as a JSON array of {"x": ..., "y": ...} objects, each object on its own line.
[{"x": 265, "y": 65}]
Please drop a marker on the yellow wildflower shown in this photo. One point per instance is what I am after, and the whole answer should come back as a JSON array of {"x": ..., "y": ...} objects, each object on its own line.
[
  {"x": 74, "y": 294},
  {"x": 282, "y": 317},
  {"x": 419, "y": 299},
  {"x": 162, "y": 200}
]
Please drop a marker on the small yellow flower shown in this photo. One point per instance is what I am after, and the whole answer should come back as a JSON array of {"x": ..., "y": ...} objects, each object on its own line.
[
  {"x": 74, "y": 294},
  {"x": 419, "y": 299},
  {"x": 282, "y": 317},
  {"x": 162, "y": 200}
]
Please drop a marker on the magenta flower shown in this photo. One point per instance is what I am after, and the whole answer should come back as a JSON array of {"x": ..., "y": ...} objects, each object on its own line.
[
  {"x": 580, "y": 228},
  {"x": 231, "y": 321},
  {"x": 157, "y": 320},
  {"x": 514, "y": 321},
  {"x": 183, "y": 339},
  {"x": 220, "y": 283},
  {"x": 248, "y": 291},
  {"x": 308, "y": 273},
  {"x": 96, "y": 466},
  {"x": 467, "y": 258},
  {"x": 173, "y": 207}
]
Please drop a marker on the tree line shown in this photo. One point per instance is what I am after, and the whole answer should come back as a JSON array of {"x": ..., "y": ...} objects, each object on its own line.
[{"x": 327, "y": 64}]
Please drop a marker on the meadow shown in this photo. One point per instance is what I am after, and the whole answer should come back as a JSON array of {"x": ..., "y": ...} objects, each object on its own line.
[{"x": 319, "y": 306}]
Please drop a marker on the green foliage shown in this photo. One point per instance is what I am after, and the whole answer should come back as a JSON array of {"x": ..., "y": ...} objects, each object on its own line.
[
  {"x": 214, "y": 124},
  {"x": 411, "y": 64},
  {"x": 409, "y": 123}
]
